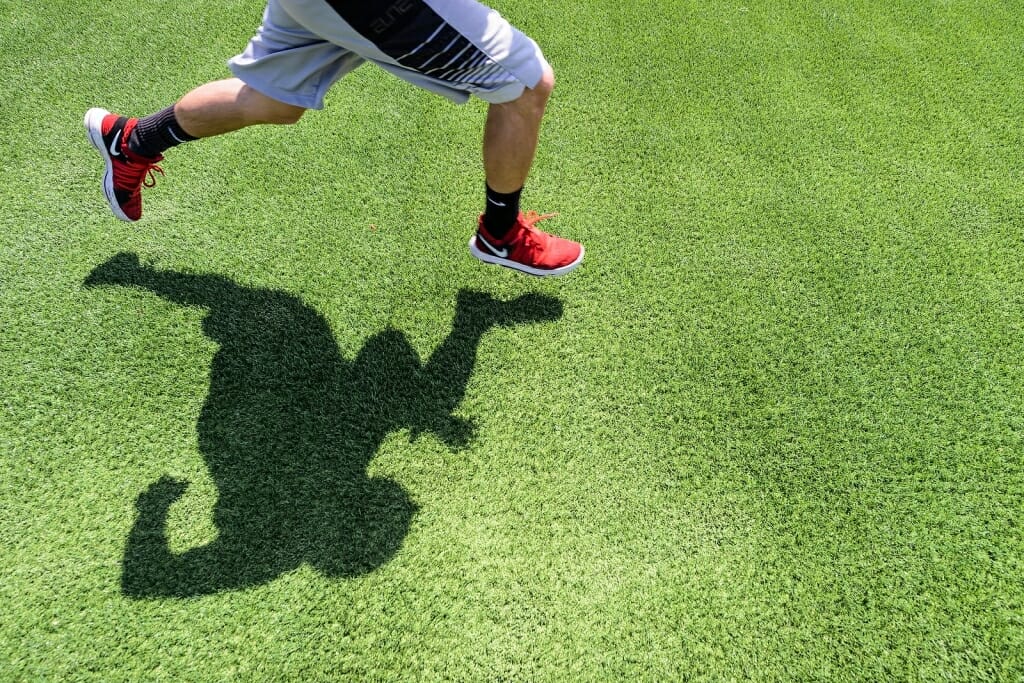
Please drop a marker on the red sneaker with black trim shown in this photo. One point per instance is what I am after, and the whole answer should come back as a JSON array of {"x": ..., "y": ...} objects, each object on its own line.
[
  {"x": 127, "y": 173},
  {"x": 527, "y": 249}
]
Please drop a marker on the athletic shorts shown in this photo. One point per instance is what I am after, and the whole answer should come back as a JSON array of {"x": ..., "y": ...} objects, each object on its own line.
[{"x": 451, "y": 47}]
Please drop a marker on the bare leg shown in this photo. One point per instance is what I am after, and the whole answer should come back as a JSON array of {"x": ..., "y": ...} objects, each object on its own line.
[
  {"x": 223, "y": 106},
  {"x": 510, "y": 143},
  {"x": 511, "y": 134}
]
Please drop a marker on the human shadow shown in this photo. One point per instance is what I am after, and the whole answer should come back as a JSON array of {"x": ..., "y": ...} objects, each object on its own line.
[{"x": 289, "y": 428}]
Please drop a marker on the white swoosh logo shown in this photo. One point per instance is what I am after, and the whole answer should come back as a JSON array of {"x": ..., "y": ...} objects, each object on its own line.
[
  {"x": 114, "y": 148},
  {"x": 500, "y": 253},
  {"x": 496, "y": 203}
]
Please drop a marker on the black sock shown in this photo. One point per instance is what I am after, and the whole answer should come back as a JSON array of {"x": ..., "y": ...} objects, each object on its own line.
[
  {"x": 501, "y": 212},
  {"x": 156, "y": 133}
]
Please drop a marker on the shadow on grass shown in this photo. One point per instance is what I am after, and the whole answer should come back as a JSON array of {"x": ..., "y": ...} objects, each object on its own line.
[{"x": 289, "y": 428}]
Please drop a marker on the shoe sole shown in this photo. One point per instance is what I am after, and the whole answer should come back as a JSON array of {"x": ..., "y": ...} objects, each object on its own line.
[
  {"x": 515, "y": 265},
  {"x": 94, "y": 129}
]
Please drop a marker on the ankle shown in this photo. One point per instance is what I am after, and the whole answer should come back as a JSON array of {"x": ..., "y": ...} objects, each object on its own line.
[
  {"x": 501, "y": 212},
  {"x": 154, "y": 134}
]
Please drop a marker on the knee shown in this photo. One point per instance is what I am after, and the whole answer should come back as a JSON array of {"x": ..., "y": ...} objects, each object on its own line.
[
  {"x": 534, "y": 100},
  {"x": 546, "y": 84}
]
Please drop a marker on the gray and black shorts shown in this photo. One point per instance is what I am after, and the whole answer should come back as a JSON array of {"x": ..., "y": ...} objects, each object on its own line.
[{"x": 455, "y": 48}]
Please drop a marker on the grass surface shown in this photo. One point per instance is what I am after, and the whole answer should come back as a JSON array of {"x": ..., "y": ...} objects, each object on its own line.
[{"x": 286, "y": 428}]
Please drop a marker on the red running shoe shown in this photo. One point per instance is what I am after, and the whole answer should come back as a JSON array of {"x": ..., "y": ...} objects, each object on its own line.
[
  {"x": 526, "y": 248},
  {"x": 127, "y": 173}
]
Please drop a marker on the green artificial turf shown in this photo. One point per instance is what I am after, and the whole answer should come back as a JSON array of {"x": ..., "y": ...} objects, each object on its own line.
[{"x": 286, "y": 428}]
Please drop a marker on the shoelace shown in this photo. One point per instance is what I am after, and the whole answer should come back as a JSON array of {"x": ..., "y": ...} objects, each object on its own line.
[
  {"x": 531, "y": 217},
  {"x": 533, "y": 237},
  {"x": 149, "y": 180},
  {"x": 128, "y": 174}
]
